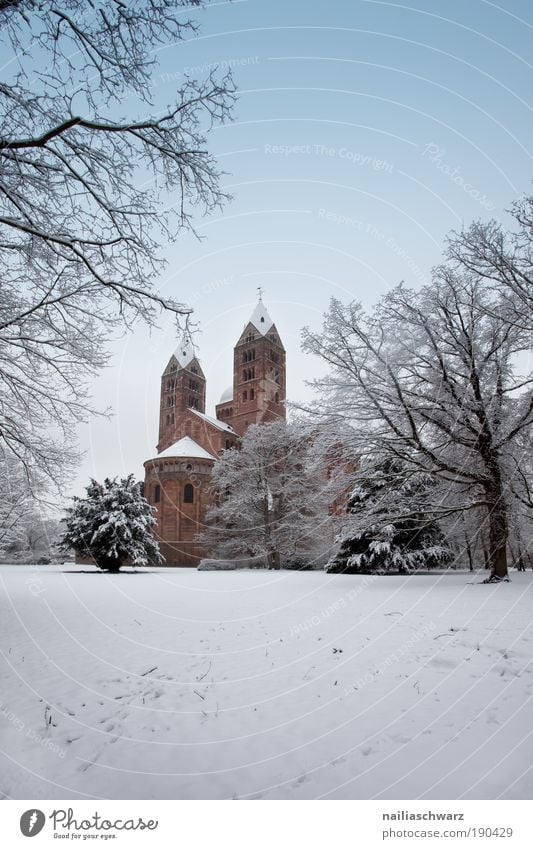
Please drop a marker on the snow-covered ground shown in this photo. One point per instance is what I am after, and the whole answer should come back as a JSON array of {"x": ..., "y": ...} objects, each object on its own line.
[{"x": 186, "y": 684}]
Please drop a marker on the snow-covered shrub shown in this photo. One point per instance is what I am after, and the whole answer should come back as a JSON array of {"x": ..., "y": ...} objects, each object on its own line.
[
  {"x": 386, "y": 528},
  {"x": 227, "y": 565},
  {"x": 112, "y": 525}
]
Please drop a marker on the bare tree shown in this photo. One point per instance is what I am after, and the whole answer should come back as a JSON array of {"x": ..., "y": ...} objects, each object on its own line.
[
  {"x": 429, "y": 377},
  {"x": 84, "y": 182},
  {"x": 17, "y": 502},
  {"x": 272, "y": 498}
]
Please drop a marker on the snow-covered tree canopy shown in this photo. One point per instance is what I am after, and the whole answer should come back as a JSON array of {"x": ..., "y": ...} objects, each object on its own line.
[
  {"x": 112, "y": 525},
  {"x": 375, "y": 537},
  {"x": 18, "y": 493},
  {"x": 86, "y": 170},
  {"x": 489, "y": 252},
  {"x": 430, "y": 377},
  {"x": 272, "y": 498}
]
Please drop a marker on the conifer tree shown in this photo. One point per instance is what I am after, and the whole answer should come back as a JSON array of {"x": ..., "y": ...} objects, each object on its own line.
[
  {"x": 375, "y": 537},
  {"x": 112, "y": 525}
]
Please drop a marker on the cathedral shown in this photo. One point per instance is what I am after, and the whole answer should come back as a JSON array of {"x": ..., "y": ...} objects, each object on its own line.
[{"x": 177, "y": 479}]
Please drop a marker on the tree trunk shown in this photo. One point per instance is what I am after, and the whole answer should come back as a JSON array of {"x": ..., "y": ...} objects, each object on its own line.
[
  {"x": 498, "y": 532},
  {"x": 469, "y": 553},
  {"x": 486, "y": 559},
  {"x": 521, "y": 564},
  {"x": 108, "y": 564}
]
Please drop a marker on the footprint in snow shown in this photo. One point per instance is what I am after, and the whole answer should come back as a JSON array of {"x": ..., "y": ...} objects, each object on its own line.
[
  {"x": 402, "y": 739},
  {"x": 443, "y": 663}
]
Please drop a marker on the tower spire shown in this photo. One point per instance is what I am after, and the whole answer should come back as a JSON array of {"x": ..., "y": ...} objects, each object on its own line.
[{"x": 185, "y": 351}]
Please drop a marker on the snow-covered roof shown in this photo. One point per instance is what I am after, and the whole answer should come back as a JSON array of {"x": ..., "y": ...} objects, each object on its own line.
[
  {"x": 215, "y": 422},
  {"x": 185, "y": 352},
  {"x": 227, "y": 395},
  {"x": 186, "y": 447},
  {"x": 261, "y": 319}
]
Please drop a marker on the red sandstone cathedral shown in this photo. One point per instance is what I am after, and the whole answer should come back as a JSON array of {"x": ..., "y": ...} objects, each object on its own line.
[{"x": 177, "y": 479}]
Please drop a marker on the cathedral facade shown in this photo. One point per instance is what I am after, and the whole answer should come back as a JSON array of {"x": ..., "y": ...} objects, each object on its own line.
[{"x": 177, "y": 479}]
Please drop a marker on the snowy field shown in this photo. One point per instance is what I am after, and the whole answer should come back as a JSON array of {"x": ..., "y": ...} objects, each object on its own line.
[{"x": 185, "y": 684}]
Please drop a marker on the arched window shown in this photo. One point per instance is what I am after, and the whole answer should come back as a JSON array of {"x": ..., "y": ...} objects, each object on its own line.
[
  {"x": 188, "y": 493},
  {"x": 157, "y": 493}
]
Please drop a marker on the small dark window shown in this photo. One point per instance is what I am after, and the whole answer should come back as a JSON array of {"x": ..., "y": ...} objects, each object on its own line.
[
  {"x": 157, "y": 493},
  {"x": 189, "y": 467},
  {"x": 188, "y": 493},
  {"x": 252, "y": 394},
  {"x": 245, "y": 395},
  {"x": 276, "y": 397},
  {"x": 228, "y": 443}
]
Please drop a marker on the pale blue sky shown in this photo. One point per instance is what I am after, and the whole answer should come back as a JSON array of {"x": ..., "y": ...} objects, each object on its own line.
[{"x": 364, "y": 132}]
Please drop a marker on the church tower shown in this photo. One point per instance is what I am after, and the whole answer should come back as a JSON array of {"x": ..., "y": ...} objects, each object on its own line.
[
  {"x": 177, "y": 480},
  {"x": 182, "y": 387},
  {"x": 259, "y": 375}
]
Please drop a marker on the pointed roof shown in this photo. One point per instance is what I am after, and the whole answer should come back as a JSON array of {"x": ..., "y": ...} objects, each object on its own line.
[
  {"x": 186, "y": 447},
  {"x": 185, "y": 352},
  {"x": 260, "y": 318},
  {"x": 212, "y": 421}
]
